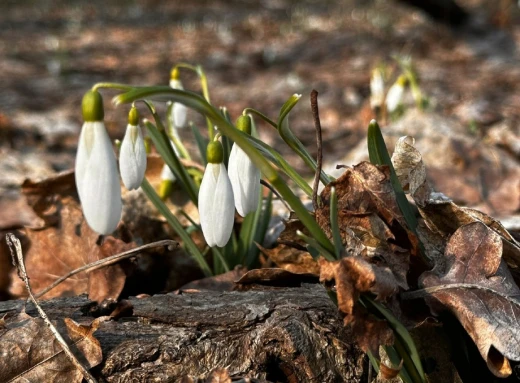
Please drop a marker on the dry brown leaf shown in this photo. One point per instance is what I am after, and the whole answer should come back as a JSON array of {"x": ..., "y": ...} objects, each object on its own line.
[
  {"x": 64, "y": 243},
  {"x": 36, "y": 356},
  {"x": 410, "y": 169},
  {"x": 353, "y": 276},
  {"x": 370, "y": 333},
  {"x": 108, "y": 282},
  {"x": 290, "y": 252},
  {"x": 443, "y": 215},
  {"x": 276, "y": 277},
  {"x": 477, "y": 287},
  {"x": 386, "y": 372},
  {"x": 221, "y": 282}
]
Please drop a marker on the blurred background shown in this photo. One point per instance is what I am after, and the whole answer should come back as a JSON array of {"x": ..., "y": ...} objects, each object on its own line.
[{"x": 257, "y": 53}]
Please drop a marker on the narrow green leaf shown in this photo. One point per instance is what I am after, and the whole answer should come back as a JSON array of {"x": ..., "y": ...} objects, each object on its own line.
[
  {"x": 292, "y": 141},
  {"x": 378, "y": 154},
  {"x": 313, "y": 243},
  {"x": 408, "y": 351},
  {"x": 162, "y": 143},
  {"x": 334, "y": 225},
  {"x": 177, "y": 227}
]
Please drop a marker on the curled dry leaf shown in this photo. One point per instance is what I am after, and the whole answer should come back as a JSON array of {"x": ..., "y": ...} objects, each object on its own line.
[
  {"x": 353, "y": 276},
  {"x": 64, "y": 243},
  {"x": 386, "y": 372},
  {"x": 36, "y": 356},
  {"x": 477, "y": 287},
  {"x": 442, "y": 215},
  {"x": 410, "y": 169}
]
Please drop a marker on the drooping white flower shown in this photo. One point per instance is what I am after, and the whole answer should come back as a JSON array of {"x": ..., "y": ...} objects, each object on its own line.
[
  {"x": 179, "y": 112},
  {"x": 216, "y": 202},
  {"x": 97, "y": 178},
  {"x": 377, "y": 89},
  {"x": 244, "y": 175},
  {"x": 395, "y": 94},
  {"x": 132, "y": 157}
]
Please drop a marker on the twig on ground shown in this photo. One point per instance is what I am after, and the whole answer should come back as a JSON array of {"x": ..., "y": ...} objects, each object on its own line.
[
  {"x": 319, "y": 160},
  {"x": 107, "y": 262},
  {"x": 17, "y": 255}
]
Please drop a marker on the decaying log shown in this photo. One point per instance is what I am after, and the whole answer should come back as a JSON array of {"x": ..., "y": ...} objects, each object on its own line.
[{"x": 282, "y": 335}]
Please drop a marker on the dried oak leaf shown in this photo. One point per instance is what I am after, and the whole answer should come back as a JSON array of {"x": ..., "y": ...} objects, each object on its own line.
[
  {"x": 478, "y": 288},
  {"x": 64, "y": 243},
  {"x": 353, "y": 276},
  {"x": 370, "y": 333},
  {"x": 36, "y": 356},
  {"x": 440, "y": 213},
  {"x": 370, "y": 220},
  {"x": 290, "y": 252}
]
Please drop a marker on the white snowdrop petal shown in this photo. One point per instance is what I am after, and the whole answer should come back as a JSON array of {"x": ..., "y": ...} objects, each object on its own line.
[
  {"x": 223, "y": 208},
  {"x": 132, "y": 158},
  {"x": 85, "y": 143},
  {"x": 377, "y": 89},
  {"x": 167, "y": 174},
  {"x": 176, "y": 84},
  {"x": 394, "y": 97},
  {"x": 101, "y": 191},
  {"x": 180, "y": 115},
  {"x": 206, "y": 194},
  {"x": 245, "y": 180}
]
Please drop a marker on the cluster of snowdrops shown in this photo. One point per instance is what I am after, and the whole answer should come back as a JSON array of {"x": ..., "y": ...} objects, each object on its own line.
[{"x": 97, "y": 176}]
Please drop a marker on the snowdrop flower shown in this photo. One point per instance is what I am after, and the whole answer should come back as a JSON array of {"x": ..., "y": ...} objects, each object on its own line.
[
  {"x": 132, "y": 158},
  {"x": 216, "y": 203},
  {"x": 97, "y": 179},
  {"x": 395, "y": 94},
  {"x": 167, "y": 177},
  {"x": 179, "y": 112},
  {"x": 244, "y": 176},
  {"x": 377, "y": 89}
]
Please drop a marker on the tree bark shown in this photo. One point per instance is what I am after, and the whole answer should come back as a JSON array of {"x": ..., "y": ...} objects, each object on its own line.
[{"x": 282, "y": 335}]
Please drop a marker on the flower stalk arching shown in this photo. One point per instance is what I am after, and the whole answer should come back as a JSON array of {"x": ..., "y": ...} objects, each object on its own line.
[
  {"x": 205, "y": 89},
  {"x": 196, "y": 102}
]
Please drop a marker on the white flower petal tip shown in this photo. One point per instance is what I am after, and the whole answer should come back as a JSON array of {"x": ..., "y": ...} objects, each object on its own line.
[
  {"x": 216, "y": 205},
  {"x": 132, "y": 158},
  {"x": 97, "y": 179},
  {"x": 167, "y": 174},
  {"x": 394, "y": 97},
  {"x": 245, "y": 180},
  {"x": 179, "y": 115},
  {"x": 377, "y": 89}
]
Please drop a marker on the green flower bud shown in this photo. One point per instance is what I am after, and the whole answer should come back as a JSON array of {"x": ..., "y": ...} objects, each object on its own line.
[
  {"x": 92, "y": 106},
  {"x": 244, "y": 124},
  {"x": 215, "y": 152},
  {"x": 133, "y": 116}
]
